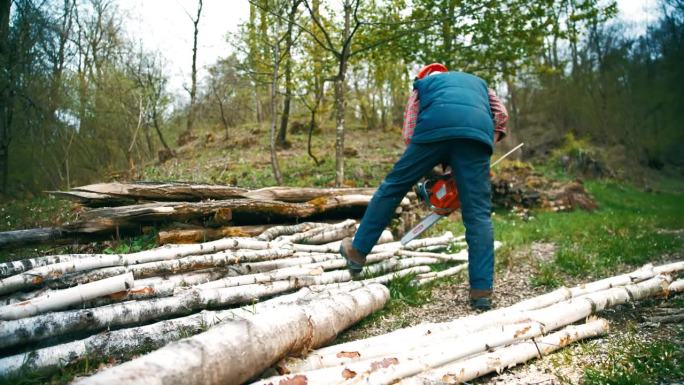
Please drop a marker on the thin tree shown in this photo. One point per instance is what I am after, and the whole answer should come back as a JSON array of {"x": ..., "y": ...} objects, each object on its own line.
[
  {"x": 5, "y": 98},
  {"x": 185, "y": 137}
]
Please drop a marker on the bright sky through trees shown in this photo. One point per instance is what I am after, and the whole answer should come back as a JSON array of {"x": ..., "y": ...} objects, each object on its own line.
[{"x": 165, "y": 26}]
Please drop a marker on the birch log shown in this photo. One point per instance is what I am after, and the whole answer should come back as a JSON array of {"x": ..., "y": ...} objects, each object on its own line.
[
  {"x": 175, "y": 266},
  {"x": 211, "y": 358},
  {"x": 120, "y": 314},
  {"x": 379, "y": 345},
  {"x": 503, "y": 358},
  {"x": 676, "y": 286},
  {"x": 386, "y": 364},
  {"x": 37, "y": 275},
  {"x": 276, "y": 231},
  {"x": 405, "y": 362},
  {"x": 121, "y": 342},
  {"x": 62, "y": 299}
]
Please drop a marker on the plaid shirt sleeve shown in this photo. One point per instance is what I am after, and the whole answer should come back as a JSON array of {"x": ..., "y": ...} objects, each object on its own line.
[
  {"x": 499, "y": 112},
  {"x": 410, "y": 116}
]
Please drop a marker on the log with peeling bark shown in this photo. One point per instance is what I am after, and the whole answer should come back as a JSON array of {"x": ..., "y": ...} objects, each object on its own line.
[
  {"x": 185, "y": 264},
  {"x": 193, "y": 299},
  {"x": 392, "y": 342},
  {"x": 235, "y": 211},
  {"x": 506, "y": 357},
  {"x": 38, "y": 275},
  {"x": 160, "y": 333},
  {"x": 211, "y": 358},
  {"x": 208, "y": 234},
  {"x": 62, "y": 299},
  {"x": 113, "y": 194},
  {"x": 157, "y": 254}
]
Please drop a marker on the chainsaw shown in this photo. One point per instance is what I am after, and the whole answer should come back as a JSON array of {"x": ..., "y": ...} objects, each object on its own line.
[{"x": 440, "y": 194}]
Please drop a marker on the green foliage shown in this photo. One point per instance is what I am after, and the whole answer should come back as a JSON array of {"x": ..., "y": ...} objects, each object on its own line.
[
  {"x": 135, "y": 244},
  {"x": 546, "y": 276},
  {"x": 403, "y": 289},
  {"x": 41, "y": 211},
  {"x": 634, "y": 361}
]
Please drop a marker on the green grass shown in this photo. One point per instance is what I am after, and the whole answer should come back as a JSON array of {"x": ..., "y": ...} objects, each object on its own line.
[
  {"x": 631, "y": 228},
  {"x": 633, "y": 361}
]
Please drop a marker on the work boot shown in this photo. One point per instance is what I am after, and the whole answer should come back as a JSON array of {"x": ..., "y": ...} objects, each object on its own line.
[
  {"x": 355, "y": 259},
  {"x": 480, "y": 300}
]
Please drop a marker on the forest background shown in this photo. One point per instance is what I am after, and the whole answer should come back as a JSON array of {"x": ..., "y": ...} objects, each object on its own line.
[{"x": 80, "y": 102}]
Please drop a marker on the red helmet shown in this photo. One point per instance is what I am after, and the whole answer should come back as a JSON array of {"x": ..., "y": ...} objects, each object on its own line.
[{"x": 434, "y": 67}]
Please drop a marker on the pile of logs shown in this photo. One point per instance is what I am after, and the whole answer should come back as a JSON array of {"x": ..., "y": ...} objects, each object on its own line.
[
  {"x": 466, "y": 348},
  {"x": 189, "y": 213},
  {"x": 59, "y": 309},
  {"x": 518, "y": 185}
]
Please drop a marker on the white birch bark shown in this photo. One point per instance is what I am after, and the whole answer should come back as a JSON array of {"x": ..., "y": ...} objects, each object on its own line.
[
  {"x": 61, "y": 299},
  {"x": 676, "y": 286},
  {"x": 157, "y": 287},
  {"x": 461, "y": 256},
  {"x": 334, "y": 247},
  {"x": 153, "y": 336},
  {"x": 277, "y": 231},
  {"x": 321, "y": 235},
  {"x": 426, "y": 278},
  {"x": 507, "y": 357},
  {"x": 406, "y": 362},
  {"x": 569, "y": 310},
  {"x": 37, "y": 275},
  {"x": 211, "y": 358},
  {"x": 131, "y": 312},
  {"x": 15, "y": 267},
  {"x": 175, "y": 266}
]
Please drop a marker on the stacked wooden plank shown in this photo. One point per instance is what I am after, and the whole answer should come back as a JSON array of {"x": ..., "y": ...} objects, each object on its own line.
[{"x": 58, "y": 309}]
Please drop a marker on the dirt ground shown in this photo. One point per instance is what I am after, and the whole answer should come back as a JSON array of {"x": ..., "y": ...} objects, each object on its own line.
[{"x": 450, "y": 301}]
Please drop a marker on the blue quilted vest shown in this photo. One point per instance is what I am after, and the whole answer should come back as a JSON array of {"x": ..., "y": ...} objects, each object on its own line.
[{"x": 453, "y": 105}]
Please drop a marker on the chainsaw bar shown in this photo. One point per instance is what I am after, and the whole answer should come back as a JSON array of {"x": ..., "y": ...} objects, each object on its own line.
[
  {"x": 431, "y": 219},
  {"x": 424, "y": 224}
]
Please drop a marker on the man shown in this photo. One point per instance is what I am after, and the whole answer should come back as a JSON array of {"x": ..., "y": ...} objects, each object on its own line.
[{"x": 451, "y": 118}]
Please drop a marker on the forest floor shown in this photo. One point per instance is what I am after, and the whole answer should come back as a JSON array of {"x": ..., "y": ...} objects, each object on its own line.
[{"x": 542, "y": 250}]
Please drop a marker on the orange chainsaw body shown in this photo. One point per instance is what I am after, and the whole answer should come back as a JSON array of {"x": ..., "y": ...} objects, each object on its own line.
[{"x": 443, "y": 195}]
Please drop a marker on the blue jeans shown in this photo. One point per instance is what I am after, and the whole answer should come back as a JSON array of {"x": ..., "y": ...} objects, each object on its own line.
[{"x": 469, "y": 161}]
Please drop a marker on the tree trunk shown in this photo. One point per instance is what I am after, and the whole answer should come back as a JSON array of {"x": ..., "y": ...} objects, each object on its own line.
[
  {"x": 211, "y": 358},
  {"x": 274, "y": 115},
  {"x": 398, "y": 358},
  {"x": 522, "y": 311},
  {"x": 507, "y": 357},
  {"x": 340, "y": 96},
  {"x": 17, "y": 238},
  {"x": 37, "y": 275},
  {"x": 208, "y": 234},
  {"x": 186, "y": 136},
  {"x": 153, "y": 336},
  {"x": 282, "y": 133},
  {"x": 65, "y": 298},
  {"x": 237, "y": 211},
  {"x": 5, "y": 95}
]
